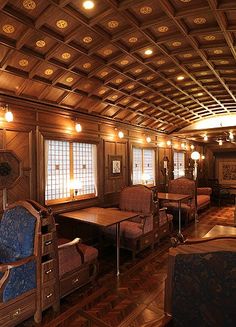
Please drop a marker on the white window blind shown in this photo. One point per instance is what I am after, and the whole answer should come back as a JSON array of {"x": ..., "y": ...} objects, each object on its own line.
[
  {"x": 179, "y": 164},
  {"x": 143, "y": 166},
  {"x": 70, "y": 170}
]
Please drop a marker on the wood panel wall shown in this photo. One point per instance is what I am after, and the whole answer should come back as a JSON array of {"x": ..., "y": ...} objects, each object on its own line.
[{"x": 33, "y": 123}]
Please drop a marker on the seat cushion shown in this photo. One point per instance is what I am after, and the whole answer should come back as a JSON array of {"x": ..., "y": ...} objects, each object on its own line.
[
  {"x": 164, "y": 218},
  {"x": 72, "y": 257},
  {"x": 128, "y": 229},
  {"x": 202, "y": 200}
]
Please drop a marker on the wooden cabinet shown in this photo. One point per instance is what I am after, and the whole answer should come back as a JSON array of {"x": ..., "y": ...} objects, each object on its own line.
[{"x": 49, "y": 281}]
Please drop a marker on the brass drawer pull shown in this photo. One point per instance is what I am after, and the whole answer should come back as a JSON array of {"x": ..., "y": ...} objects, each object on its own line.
[
  {"x": 16, "y": 313},
  {"x": 49, "y": 295},
  {"x": 74, "y": 281},
  {"x": 48, "y": 243},
  {"x": 48, "y": 271}
]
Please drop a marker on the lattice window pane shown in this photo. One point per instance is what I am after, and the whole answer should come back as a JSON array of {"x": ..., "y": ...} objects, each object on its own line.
[
  {"x": 57, "y": 169},
  {"x": 84, "y": 167},
  {"x": 148, "y": 166},
  {"x": 179, "y": 164},
  {"x": 137, "y": 166}
]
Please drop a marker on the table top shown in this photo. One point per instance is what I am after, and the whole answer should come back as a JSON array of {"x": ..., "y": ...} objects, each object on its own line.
[
  {"x": 173, "y": 196},
  {"x": 219, "y": 230},
  {"x": 99, "y": 216}
]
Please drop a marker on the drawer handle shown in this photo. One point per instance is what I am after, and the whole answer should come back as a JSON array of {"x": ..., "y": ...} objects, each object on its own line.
[
  {"x": 156, "y": 235},
  {"x": 49, "y": 295},
  {"x": 16, "y": 313},
  {"x": 164, "y": 230},
  {"x": 48, "y": 271},
  {"x": 48, "y": 243},
  {"x": 74, "y": 281},
  {"x": 146, "y": 241}
]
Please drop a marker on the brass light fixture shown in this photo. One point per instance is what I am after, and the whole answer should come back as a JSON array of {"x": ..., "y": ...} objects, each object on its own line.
[{"x": 8, "y": 114}]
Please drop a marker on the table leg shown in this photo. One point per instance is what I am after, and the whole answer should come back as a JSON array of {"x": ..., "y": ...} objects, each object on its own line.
[
  {"x": 180, "y": 236},
  {"x": 118, "y": 249}
]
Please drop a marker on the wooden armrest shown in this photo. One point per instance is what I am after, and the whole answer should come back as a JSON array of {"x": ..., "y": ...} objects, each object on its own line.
[
  {"x": 73, "y": 242},
  {"x": 10, "y": 265},
  {"x": 207, "y": 239}
]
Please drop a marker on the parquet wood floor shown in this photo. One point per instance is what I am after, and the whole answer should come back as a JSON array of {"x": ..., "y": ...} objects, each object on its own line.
[{"x": 136, "y": 298}]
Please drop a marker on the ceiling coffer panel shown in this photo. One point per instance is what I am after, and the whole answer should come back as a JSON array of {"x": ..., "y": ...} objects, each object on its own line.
[{"x": 160, "y": 64}]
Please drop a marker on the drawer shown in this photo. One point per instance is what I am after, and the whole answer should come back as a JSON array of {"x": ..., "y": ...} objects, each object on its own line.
[
  {"x": 48, "y": 270},
  {"x": 17, "y": 311},
  {"x": 164, "y": 231},
  {"x": 48, "y": 295},
  {"x": 73, "y": 281},
  {"x": 47, "y": 243},
  {"x": 146, "y": 240}
]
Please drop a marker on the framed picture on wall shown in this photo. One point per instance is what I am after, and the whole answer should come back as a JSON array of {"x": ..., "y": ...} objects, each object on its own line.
[
  {"x": 115, "y": 166},
  {"x": 227, "y": 172}
]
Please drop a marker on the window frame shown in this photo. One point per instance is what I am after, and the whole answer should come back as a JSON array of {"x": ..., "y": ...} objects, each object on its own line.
[
  {"x": 155, "y": 168},
  {"x": 184, "y": 153},
  {"x": 72, "y": 196}
]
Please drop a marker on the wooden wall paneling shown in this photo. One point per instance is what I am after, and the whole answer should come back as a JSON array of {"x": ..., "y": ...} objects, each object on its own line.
[{"x": 20, "y": 143}]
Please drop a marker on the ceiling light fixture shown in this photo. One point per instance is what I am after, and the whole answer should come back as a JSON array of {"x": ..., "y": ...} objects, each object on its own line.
[
  {"x": 88, "y": 5},
  {"x": 180, "y": 78},
  {"x": 148, "y": 52},
  {"x": 231, "y": 136},
  {"x": 8, "y": 114}
]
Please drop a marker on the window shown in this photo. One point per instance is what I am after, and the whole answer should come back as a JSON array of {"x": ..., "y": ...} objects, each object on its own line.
[
  {"x": 179, "y": 164},
  {"x": 70, "y": 170},
  {"x": 143, "y": 166}
]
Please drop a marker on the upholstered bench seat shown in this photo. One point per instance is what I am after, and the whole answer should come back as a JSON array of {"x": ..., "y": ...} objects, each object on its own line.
[
  {"x": 73, "y": 256},
  {"x": 128, "y": 229}
]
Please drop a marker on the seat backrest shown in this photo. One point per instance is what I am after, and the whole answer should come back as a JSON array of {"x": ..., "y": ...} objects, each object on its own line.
[
  {"x": 200, "y": 287},
  {"x": 17, "y": 231},
  {"x": 137, "y": 198},
  {"x": 182, "y": 185}
]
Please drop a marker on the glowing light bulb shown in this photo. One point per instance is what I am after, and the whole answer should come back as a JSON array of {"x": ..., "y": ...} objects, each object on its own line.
[
  {"x": 78, "y": 127},
  {"x": 9, "y": 116},
  {"x": 205, "y": 138},
  {"x": 180, "y": 78},
  {"x": 120, "y": 134},
  {"x": 88, "y": 5},
  {"x": 220, "y": 142},
  {"x": 183, "y": 146},
  {"x": 148, "y": 139},
  {"x": 192, "y": 147},
  {"x": 148, "y": 52},
  {"x": 168, "y": 143},
  {"x": 203, "y": 157}
]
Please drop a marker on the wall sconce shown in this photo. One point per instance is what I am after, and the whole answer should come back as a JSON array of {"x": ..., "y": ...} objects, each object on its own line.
[
  {"x": 203, "y": 157},
  {"x": 120, "y": 134},
  {"x": 148, "y": 139},
  {"x": 205, "y": 138},
  {"x": 183, "y": 145},
  {"x": 8, "y": 114},
  {"x": 192, "y": 147},
  {"x": 195, "y": 156},
  {"x": 220, "y": 142},
  {"x": 168, "y": 143},
  {"x": 78, "y": 127}
]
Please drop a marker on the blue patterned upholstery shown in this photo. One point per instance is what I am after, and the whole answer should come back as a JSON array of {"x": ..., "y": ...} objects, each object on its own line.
[
  {"x": 17, "y": 231},
  {"x": 204, "y": 289},
  {"x": 16, "y": 234}
]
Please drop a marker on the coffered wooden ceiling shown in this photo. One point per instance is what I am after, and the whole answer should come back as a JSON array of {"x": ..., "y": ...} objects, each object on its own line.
[{"x": 96, "y": 61}]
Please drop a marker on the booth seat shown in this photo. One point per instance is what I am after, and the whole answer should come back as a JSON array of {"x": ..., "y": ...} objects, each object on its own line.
[
  {"x": 187, "y": 186},
  {"x": 148, "y": 227},
  {"x": 78, "y": 265}
]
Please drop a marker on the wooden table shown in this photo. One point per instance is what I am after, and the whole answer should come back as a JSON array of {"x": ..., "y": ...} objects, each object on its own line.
[
  {"x": 103, "y": 217},
  {"x": 176, "y": 198},
  {"x": 219, "y": 230}
]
